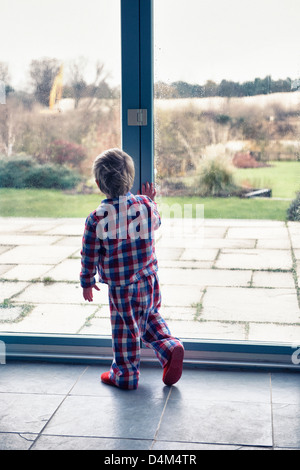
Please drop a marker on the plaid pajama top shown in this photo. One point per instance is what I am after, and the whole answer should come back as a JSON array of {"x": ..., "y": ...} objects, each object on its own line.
[{"x": 118, "y": 241}]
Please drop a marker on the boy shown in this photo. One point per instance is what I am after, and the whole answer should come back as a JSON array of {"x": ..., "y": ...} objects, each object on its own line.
[{"x": 118, "y": 242}]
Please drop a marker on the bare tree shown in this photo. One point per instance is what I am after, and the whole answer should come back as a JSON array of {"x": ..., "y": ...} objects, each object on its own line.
[{"x": 42, "y": 73}]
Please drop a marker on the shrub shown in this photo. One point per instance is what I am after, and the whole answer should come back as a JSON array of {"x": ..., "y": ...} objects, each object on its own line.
[
  {"x": 216, "y": 177},
  {"x": 293, "y": 212},
  {"x": 64, "y": 152},
  {"x": 25, "y": 172}
]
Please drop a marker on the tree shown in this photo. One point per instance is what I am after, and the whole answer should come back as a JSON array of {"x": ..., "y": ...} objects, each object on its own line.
[{"x": 42, "y": 73}]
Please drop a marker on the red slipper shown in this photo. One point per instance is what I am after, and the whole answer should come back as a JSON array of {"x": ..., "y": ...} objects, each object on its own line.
[
  {"x": 173, "y": 369},
  {"x": 105, "y": 379}
]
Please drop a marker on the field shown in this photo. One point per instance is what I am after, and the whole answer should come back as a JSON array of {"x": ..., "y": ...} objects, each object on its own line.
[
  {"x": 282, "y": 177},
  {"x": 51, "y": 203}
]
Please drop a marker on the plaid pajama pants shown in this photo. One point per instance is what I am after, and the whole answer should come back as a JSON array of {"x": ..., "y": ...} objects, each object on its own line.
[{"x": 135, "y": 316}]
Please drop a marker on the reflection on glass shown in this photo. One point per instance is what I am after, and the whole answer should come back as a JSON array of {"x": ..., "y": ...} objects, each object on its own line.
[
  {"x": 227, "y": 96},
  {"x": 59, "y": 108}
]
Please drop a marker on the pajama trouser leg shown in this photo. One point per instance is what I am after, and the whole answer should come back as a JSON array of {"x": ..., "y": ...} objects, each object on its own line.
[{"x": 134, "y": 316}]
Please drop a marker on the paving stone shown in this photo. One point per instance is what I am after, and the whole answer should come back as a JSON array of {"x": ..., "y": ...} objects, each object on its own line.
[
  {"x": 254, "y": 304},
  {"x": 204, "y": 277},
  {"x": 69, "y": 227},
  {"x": 67, "y": 270},
  {"x": 270, "y": 279},
  {"x": 274, "y": 333},
  {"x": 26, "y": 272},
  {"x": 9, "y": 314},
  {"x": 281, "y": 243},
  {"x": 4, "y": 268},
  {"x": 254, "y": 259},
  {"x": 36, "y": 254},
  {"x": 60, "y": 293},
  {"x": 53, "y": 318},
  {"x": 205, "y": 254},
  {"x": 180, "y": 296},
  {"x": 22, "y": 239},
  {"x": 258, "y": 232},
  {"x": 297, "y": 254},
  {"x": 244, "y": 223},
  {"x": 70, "y": 241},
  {"x": 207, "y": 330},
  {"x": 97, "y": 326},
  {"x": 164, "y": 263},
  {"x": 8, "y": 289}
]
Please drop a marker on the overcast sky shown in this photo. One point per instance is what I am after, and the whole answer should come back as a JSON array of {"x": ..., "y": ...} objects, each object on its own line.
[{"x": 195, "y": 40}]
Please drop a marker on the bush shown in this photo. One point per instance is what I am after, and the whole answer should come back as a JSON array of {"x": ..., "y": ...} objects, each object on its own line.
[
  {"x": 293, "y": 212},
  {"x": 216, "y": 178},
  {"x": 25, "y": 172},
  {"x": 64, "y": 152}
]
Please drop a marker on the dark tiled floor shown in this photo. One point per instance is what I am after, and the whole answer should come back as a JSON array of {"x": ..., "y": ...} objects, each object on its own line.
[{"x": 60, "y": 406}]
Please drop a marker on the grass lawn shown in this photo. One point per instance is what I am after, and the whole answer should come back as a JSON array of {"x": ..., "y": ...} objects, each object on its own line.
[
  {"x": 52, "y": 203},
  {"x": 282, "y": 177}
]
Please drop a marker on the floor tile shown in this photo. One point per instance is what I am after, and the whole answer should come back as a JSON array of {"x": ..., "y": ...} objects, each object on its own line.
[
  {"x": 16, "y": 441},
  {"x": 227, "y": 386},
  {"x": 286, "y": 423},
  {"x": 45, "y": 442},
  {"x": 26, "y": 413},
  {"x": 41, "y": 378},
  {"x": 234, "y": 423},
  {"x": 107, "y": 416}
]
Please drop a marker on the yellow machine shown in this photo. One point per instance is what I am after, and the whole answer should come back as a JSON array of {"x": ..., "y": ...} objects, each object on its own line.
[{"x": 57, "y": 89}]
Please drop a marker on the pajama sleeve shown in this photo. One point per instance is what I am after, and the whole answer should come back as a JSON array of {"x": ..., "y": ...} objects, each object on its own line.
[{"x": 90, "y": 253}]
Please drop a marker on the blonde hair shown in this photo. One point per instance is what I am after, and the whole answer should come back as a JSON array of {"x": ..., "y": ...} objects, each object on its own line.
[{"x": 114, "y": 172}]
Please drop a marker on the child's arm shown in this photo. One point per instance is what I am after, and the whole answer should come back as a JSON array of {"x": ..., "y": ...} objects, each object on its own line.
[
  {"x": 150, "y": 191},
  {"x": 89, "y": 259}
]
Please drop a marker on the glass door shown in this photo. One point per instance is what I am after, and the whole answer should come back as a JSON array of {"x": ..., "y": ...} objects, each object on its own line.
[
  {"x": 60, "y": 71},
  {"x": 227, "y": 131}
]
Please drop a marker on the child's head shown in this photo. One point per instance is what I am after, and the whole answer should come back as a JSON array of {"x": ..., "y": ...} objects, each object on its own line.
[{"x": 114, "y": 172}]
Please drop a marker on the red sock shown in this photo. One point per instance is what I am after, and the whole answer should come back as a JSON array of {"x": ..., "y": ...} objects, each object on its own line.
[{"x": 173, "y": 369}]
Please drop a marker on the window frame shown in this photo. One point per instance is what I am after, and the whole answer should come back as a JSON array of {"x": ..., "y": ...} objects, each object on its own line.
[{"x": 138, "y": 141}]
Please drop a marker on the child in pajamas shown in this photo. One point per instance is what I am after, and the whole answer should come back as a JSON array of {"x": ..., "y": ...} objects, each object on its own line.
[{"x": 118, "y": 242}]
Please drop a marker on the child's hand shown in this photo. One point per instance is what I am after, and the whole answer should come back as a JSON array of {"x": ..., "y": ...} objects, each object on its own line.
[
  {"x": 148, "y": 190},
  {"x": 88, "y": 293}
]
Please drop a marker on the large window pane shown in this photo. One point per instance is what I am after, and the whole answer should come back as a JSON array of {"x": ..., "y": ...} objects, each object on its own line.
[
  {"x": 227, "y": 124},
  {"x": 60, "y": 69}
]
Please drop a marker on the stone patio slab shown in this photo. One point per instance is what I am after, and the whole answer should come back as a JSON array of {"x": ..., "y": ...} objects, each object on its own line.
[
  {"x": 26, "y": 272},
  {"x": 22, "y": 239},
  {"x": 251, "y": 305},
  {"x": 273, "y": 243},
  {"x": 49, "y": 318},
  {"x": 255, "y": 259},
  {"x": 274, "y": 333},
  {"x": 180, "y": 296},
  {"x": 205, "y": 254},
  {"x": 204, "y": 277},
  {"x": 8, "y": 289},
  {"x": 60, "y": 293},
  {"x": 207, "y": 330},
  {"x": 36, "y": 254},
  {"x": 271, "y": 279},
  {"x": 258, "y": 233},
  {"x": 67, "y": 270}
]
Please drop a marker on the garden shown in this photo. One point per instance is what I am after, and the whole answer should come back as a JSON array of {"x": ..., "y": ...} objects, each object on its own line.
[{"x": 211, "y": 150}]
